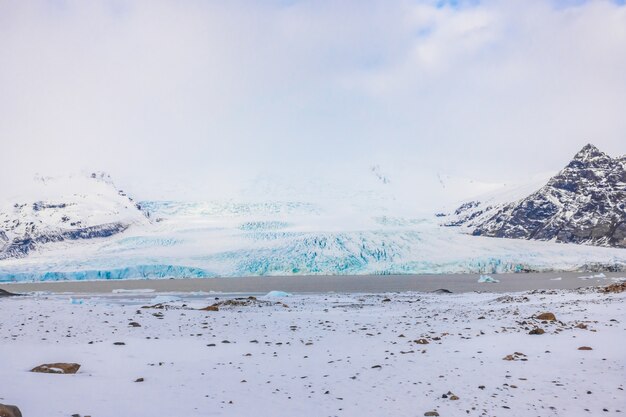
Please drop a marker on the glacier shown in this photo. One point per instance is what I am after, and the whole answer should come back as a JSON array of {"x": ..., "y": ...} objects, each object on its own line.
[
  {"x": 351, "y": 235},
  {"x": 257, "y": 244}
]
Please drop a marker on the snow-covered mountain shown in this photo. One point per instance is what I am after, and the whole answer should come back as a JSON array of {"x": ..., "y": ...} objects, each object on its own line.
[
  {"x": 53, "y": 210},
  {"x": 584, "y": 203}
]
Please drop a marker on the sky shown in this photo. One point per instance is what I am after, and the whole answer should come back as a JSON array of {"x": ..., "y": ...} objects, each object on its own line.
[{"x": 194, "y": 99}]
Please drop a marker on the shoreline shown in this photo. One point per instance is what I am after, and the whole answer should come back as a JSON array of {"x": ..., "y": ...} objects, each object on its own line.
[{"x": 456, "y": 283}]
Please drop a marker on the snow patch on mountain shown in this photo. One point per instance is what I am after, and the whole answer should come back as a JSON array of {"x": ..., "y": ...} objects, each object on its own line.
[{"x": 60, "y": 209}]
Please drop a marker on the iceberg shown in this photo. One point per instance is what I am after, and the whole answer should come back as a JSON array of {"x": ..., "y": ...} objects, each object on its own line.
[
  {"x": 277, "y": 294},
  {"x": 487, "y": 278}
]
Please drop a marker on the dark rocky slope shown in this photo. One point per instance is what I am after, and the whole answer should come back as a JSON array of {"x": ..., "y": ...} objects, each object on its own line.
[{"x": 584, "y": 203}]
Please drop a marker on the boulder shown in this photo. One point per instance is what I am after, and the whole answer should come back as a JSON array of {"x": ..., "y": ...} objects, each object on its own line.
[
  {"x": 9, "y": 411},
  {"x": 57, "y": 368},
  {"x": 546, "y": 316}
]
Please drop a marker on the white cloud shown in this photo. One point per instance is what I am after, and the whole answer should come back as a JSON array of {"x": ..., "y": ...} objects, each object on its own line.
[{"x": 213, "y": 93}]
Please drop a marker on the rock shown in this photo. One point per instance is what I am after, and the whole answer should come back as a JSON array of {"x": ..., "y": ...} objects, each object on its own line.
[
  {"x": 210, "y": 308},
  {"x": 537, "y": 330},
  {"x": 139, "y": 380},
  {"x": 546, "y": 316},
  {"x": 613, "y": 288},
  {"x": 57, "y": 368},
  {"x": 4, "y": 293},
  {"x": 450, "y": 395},
  {"x": 585, "y": 348},
  {"x": 421, "y": 341},
  {"x": 514, "y": 357},
  {"x": 431, "y": 414},
  {"x": 581, "y": 326},
  {"x": 119, "y": 343},
  {"x": 9, "y": 411},
  {"x": 134, "y": 324}
]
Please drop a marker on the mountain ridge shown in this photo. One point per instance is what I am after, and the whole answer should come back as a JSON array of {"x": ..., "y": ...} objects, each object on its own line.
[
  {"x": 584, "y": 203},
  {"x": 93, "y": 208}
]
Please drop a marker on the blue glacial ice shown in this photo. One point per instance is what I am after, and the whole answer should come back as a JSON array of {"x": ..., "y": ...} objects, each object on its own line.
[{"x": 131, "y": 272}]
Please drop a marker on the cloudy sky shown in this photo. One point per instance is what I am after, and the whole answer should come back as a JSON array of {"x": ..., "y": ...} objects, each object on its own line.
[{"x": 214, "y": 93}]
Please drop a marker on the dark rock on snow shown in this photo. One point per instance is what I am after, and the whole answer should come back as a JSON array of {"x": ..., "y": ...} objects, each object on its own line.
[
  {"x": 57, "y": 368},
  {"x": 9, "y": 411}
]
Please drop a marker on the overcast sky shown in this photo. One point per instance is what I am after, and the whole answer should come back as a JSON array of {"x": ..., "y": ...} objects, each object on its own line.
[{"x": 214, "y": 93}]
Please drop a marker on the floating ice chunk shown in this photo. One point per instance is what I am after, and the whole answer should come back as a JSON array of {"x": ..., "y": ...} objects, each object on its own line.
[
  {"x": 140, "y": 291},
  {"x": 487, "y": 278},
  {"x": 76, "y": 301},
  {"x": 556, "y": 279},
  {"x": 160, "y": 299},
  {"x": 277, "y": 294},
  {"x": 40, "y": 293},
  {"x": 600, "y": 275}
]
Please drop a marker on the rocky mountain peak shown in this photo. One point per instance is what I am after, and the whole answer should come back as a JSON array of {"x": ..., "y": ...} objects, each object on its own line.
[
  {"x": 584, "y": 203},
  {"x": 590, "y": 157}
]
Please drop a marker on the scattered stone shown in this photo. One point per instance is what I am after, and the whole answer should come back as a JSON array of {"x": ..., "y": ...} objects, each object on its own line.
[
  {"x": 134, "y": 324},
  {"x": 57, "y": 368},
  {"x": 581, "y": 326},
  {"x": 421, "y": 341},
  {"x": 239, "y": 302},
  {"x": 537, "y": 330},
  {"x": 516, "y": 356},
  {"x": 119, "y": 343},
  {"x": 585, "y": 348},
  {"x": 9, "y": 410},
  {"x": 450, "y": 395},
  {"x": 614, "y": 288},
  {"x": 139, "y": 380},
  {"x": 546, "y": 316},
  {"x": 431, "y": 414}
]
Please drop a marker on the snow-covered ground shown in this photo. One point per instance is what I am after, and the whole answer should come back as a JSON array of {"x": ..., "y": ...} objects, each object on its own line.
[{"x": 316, "y": 355}]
